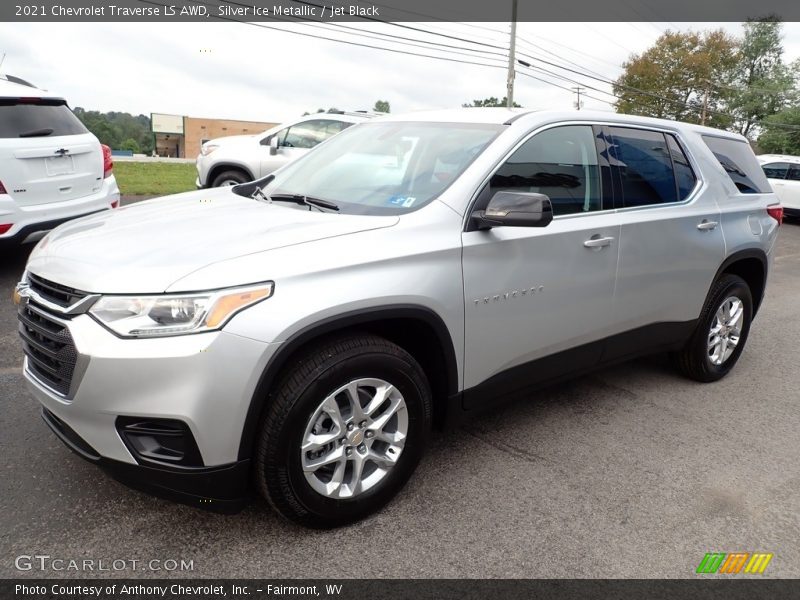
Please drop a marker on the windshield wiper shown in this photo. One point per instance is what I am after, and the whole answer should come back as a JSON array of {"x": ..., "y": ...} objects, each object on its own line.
[
  {"x": 37, "y": 132},
  {"x": 302, "y": 200}
]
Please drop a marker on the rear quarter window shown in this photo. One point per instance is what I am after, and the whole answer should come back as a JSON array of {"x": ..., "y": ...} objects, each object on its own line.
[
  {"x": 37, "y": 119},
  {"x": 739, "y": 162}
]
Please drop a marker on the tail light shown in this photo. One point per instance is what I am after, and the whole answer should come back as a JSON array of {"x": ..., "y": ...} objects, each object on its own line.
[
  {"x": 5, "y": 227},
  {"x": 108, "y": 162},
  {"x": 776, "y": 212},
  {"x": 2, "y": 188},
  {"x": 115, "y": 204}
]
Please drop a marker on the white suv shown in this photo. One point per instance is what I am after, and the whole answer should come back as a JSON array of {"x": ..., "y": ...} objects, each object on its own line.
[
  {"x": 783, "y": 173},
  {"x": 52, "y": 169},
  {"x": 240, "y": 158}
]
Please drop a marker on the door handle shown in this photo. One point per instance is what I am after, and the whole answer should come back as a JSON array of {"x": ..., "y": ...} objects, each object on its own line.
[
  {"x": 705, "y": 225},
  {"x": 598, "y": 242}
]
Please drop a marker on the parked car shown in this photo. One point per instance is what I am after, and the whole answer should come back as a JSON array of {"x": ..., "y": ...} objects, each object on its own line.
[
  {"x": 51, "y": 168},
  {"x": 305, "y": 331},
  {"x": 783, "y": 173},
  {"x": 240, "y": 158}
]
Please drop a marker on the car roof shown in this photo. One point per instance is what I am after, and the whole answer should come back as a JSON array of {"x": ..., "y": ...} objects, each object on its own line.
[
  {"x": 787, "y": 158},
  {"x": 525, "y": 117}
]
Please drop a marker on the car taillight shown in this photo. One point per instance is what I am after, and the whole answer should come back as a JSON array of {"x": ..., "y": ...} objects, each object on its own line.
[
  {"x": 5, "y": 227},
  {"x": 2, "y": 188},
  {"x": 108, "y": 162},
  {"x": 776, "y": 212},
  {"x": 115, "y": 204}
]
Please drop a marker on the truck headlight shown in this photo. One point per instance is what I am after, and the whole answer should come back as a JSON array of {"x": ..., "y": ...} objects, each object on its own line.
[
  {"x": 207, "y": 149},
  {"x": 175, "y": 314}
]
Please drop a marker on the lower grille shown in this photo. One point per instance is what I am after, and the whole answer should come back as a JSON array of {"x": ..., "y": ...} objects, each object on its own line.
[{"x": 49, "y": 347}]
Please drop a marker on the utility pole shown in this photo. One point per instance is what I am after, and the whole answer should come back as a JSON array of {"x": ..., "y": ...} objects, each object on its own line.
[
  {"x": 511, "y": 55},
  {"x": 578, "y": 89},
  {"x": 705, "y": 102}
]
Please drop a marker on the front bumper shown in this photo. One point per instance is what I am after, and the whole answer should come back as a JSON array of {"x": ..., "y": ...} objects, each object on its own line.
[
  {"x": 221, "y": 489},
  {"x": 205, "y": 381}
]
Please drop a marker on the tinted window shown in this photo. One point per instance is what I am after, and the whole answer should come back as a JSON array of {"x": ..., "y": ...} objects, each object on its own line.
[
  {"x": 739, "y": 163},
  {"x": 794, "y": 173},
  {"x": 559, "y": 162},
  {"x": 47, "y": 119},
  {"x": 684, "y": 175},
  {"x": 776, "y": 170},
  {"x": 645, "y": 166}
]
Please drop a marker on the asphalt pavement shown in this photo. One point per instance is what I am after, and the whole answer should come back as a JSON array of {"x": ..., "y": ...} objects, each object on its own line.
[{"x": 629, "y": 472}]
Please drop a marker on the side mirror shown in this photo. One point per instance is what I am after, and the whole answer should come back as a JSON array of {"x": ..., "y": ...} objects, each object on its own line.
[
  {"x": 273, "y": 145},
  {"x": 515, "y": 209}
]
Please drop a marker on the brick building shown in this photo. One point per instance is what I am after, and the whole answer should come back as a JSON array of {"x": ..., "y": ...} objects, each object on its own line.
[{"x": 181, "y": 136}]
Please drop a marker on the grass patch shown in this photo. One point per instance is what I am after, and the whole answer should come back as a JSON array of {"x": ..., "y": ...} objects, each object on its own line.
[{"x": 154, "y": 178}]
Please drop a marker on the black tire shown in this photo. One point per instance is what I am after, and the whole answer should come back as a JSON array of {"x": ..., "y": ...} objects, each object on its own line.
[
  {"x": 232, "y": 175},
  {"x": 322, "y": 369},
  {"x": 693, "y": 360}
]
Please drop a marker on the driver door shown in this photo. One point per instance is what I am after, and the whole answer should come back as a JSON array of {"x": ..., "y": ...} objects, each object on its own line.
[{"x": 533, "y": 292}]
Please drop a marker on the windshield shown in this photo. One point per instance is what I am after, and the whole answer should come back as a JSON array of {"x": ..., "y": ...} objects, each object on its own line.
[{"x": 385, "y": 168}]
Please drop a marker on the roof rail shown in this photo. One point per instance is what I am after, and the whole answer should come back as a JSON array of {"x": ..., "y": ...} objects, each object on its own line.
[{"x": 19, "y": 80}]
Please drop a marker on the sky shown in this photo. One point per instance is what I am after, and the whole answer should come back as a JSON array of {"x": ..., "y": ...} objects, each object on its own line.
[{"x": 248, "y": 72}]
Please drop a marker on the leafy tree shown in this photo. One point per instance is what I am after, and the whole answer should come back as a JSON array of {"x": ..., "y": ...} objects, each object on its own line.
[
  {"x": 491, "y": 102},
  {"x": 679, "y": 75},
  {"x": 382, "y": 106},
  {"x": 115, "y": 128},
  {"x": 783, "y": 138},
  {"x": 130, "y": 144},
  {"x": 763, "y": 84}
]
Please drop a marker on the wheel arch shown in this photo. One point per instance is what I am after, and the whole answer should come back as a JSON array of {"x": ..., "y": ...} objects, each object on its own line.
[
  {"x": 228, "y": 166},
  {"x": 752, "y": 266},
  {"x": 417, "y": 329}
]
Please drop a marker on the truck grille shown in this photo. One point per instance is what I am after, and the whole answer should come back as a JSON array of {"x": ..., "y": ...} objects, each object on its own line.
[
  {"x": 55, "y": 292},
  {"x": 49, "y": 347}
]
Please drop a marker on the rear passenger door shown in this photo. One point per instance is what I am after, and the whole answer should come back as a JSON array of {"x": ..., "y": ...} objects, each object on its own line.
[{"x": 671, "y": 242}]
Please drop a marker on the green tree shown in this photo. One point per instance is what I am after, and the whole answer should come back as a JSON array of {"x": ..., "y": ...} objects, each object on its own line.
[
  {"x": 130, "y": 144},
  {"x": 783, "y": 138},
  {"x": 678, "y": 77},
  {"x": 382, "y": 106},
  {"x": 763, "y": 84},
  {"x": 490, "y": 102}
]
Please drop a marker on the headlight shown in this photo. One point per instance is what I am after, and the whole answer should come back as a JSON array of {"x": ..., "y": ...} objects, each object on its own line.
[
  {"x": 207, "y": 149},
  {"x": 175, "y": 314}
]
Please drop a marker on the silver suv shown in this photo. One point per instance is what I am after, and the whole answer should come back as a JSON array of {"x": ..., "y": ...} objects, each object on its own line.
[{"x": 302, "y": 334}]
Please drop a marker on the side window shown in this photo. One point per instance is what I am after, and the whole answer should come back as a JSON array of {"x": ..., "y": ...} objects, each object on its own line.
[
  {"x": 281, "y": 135},
  {"x": 559, "y": 162},
  {"x": 334, "y": 127},
  {"x": 645, "y": 166},
  {"x": 794, "y": 173},
  {"x": 685, "y": 178},
  {"x": 776, "y": 170},
  {"x": 739, "y": 162},
  {"x": 306, "y": 135}
]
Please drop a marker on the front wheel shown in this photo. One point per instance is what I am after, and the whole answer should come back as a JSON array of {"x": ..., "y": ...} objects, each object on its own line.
[
  {"x": 343, "y": 432},
  {"x": 721, "y": 332}
]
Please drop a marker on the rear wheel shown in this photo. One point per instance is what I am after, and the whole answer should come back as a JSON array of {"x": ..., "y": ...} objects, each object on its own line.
[
  {"x": 344, "y": 431},
  {"x": 229, "y": 178},
  {"x": 721, "y": 332}
]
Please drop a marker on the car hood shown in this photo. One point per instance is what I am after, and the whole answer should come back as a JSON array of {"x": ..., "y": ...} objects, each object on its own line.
[
  {"x": 231, "y": 140},
  {"x": 145, "y": 247}
]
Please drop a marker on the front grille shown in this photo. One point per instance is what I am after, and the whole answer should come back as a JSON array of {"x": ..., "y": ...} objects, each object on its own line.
[
  {"x": 49, "y": 347},
  {"x": 55, "y": 292}
]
